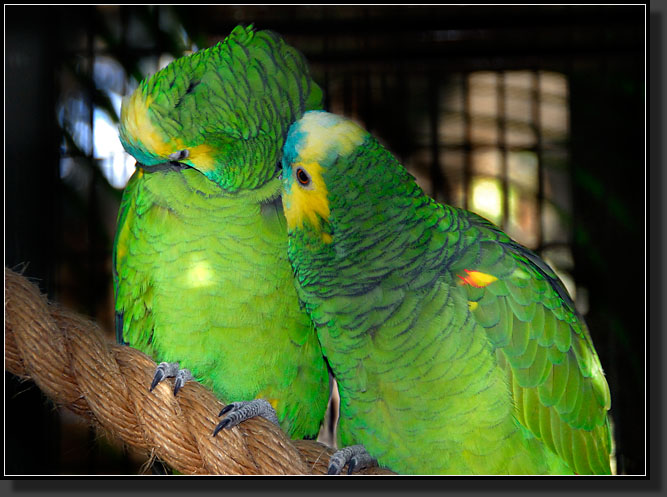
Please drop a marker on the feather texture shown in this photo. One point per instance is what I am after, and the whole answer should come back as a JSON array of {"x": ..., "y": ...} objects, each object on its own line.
[
  {"x": 473, "y": 358},
  {"x": 201, "y": 275}
]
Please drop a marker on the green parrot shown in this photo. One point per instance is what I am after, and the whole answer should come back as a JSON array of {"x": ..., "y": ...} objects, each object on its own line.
[
  {"x": 456, "y": 350},
  {"x": 201, "y": 275}
]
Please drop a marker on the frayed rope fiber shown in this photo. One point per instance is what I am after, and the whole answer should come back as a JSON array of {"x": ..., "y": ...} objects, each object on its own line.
[{"x": 72, "y": 363}]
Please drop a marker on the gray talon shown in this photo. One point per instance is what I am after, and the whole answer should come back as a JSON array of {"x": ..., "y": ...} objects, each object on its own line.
[
  {"x": 182, "y": 377},
  {"x": 171, "y": 370},
  {"x": 159, "y": 376},
  {"x": 237, "y": 412},
  {"x": 355, "y": 455}
]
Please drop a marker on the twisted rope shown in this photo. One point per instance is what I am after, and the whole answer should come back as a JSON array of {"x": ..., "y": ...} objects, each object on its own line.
[{"x": 107, "y": 384}]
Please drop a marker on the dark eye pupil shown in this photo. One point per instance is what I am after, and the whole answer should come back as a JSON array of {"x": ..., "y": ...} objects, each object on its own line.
[{"x": 302, "y": 176}]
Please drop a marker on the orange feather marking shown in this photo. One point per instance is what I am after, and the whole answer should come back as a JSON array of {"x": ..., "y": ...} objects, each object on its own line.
[{"x": 476, "y": 278}]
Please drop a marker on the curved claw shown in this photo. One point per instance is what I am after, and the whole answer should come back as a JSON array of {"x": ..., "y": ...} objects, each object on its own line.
[
  {"x": 237, "y": 412},
  {"x": 171, "y": 370},
  {"x": 226, "y": 409},
  {"x": 222, "y": 424},
  {"x": 182, "y": 377},
  {"x": 225, "y": 422},
  {"x": 355, "y": 455},
  {"x": 353, "y": 465},
  {"x": 159, "y": 376}
]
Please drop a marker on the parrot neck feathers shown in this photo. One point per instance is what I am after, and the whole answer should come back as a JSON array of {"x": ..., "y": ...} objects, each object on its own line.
[{"x": 359, "y": 221}]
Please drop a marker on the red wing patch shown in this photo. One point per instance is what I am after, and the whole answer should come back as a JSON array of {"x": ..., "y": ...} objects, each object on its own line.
[{"x": 476, "y": 278}]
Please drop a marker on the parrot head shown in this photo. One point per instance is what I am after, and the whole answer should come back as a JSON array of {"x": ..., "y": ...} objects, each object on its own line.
[
  {"x": 341, "y": 187},
  {"x": 223, "y": 111},
  {"x": 316, "y": 152},
  {"x": 346, "y": 200},
  {"x": 343, "y": 193}
]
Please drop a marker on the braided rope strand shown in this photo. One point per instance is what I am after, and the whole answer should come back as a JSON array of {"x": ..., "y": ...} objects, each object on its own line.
[{"x": 68, "y": 358}]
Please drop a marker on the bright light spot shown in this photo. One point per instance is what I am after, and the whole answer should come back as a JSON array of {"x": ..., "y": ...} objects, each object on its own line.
[
  {"x": 116, "y": 165},
  {"x": 118, "y": 168},
  {"x": 487, "y": 198},
  {"x": 164, "y": 60},
  {"x": 522, "y": 169},
  {"x": 200, "y": 274},
  {"x": 105, "y": 139},
  {"x": 568, "y": 282},
  {"x": 520, "y": 273}
]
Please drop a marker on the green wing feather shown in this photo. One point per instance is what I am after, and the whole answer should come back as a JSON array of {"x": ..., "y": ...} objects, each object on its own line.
[
  {"x": 456, "y": 350},
  {"x": 131, "y": 285},
  {"x": 555, "y": 376}
]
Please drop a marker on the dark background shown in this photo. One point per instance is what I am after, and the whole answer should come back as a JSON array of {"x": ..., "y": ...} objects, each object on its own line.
[{"x": 406, "y": 73}]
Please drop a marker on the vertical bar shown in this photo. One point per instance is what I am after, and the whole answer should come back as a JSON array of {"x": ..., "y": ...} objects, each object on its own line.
[
  {"x": 439, "y": 181},
  {"x": 367, "y": 100},
  {"x": 327, "y": 84},
  {"x": 403, "y": 95},
  {"x": 536, "y": 116},
  {"x": 502, "y": 145},
  {"x": 467, "y": 138},
  {"x": 93, "y": 447},
  {"x": 126, "y": 466},
  {"x": 346, "y": 92},
  {"x": 92, "y": 190}
]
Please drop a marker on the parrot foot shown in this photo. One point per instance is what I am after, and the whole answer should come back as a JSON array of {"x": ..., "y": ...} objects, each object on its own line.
[
  {"x": 237, "y": 412},
  {"x": 355, "y": 455},
  {"x": 171, "y": 370}
]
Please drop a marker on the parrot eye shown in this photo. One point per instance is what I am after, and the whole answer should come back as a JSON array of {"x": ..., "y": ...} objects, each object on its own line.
[
  {"x": 180, "y": 155},
  {"x": 302, "y": 176}
]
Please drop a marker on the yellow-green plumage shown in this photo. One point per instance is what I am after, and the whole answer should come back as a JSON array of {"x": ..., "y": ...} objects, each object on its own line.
[
  {"x": 456, "y": 350},
  {"x": 200, "y": 264}
]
